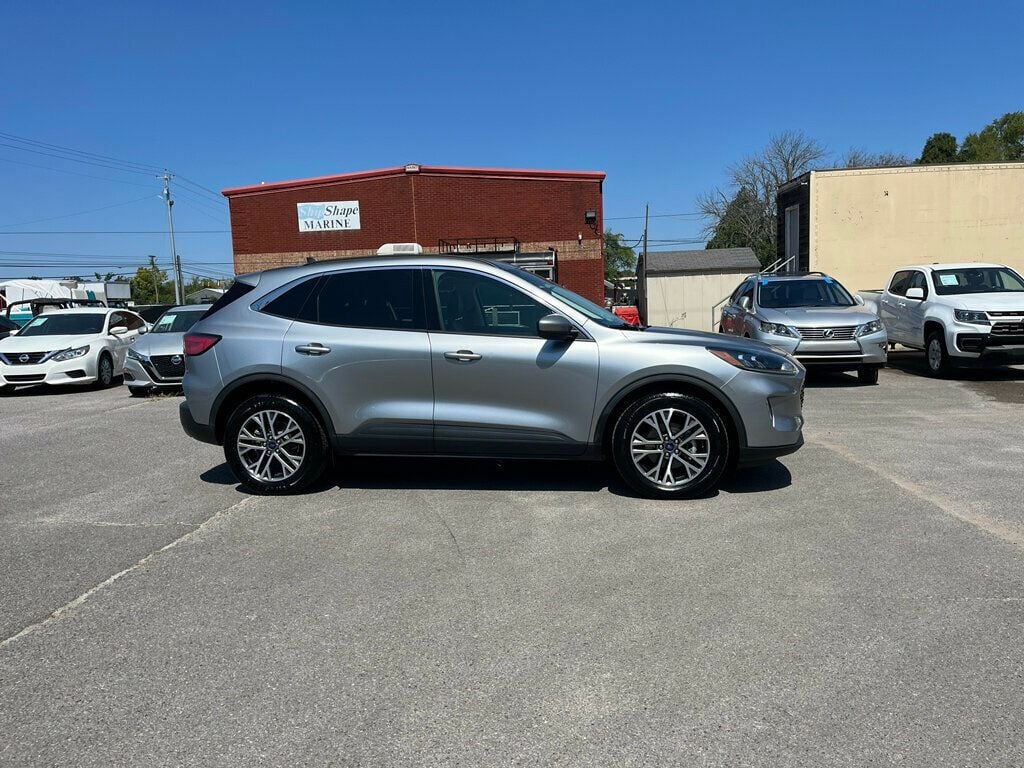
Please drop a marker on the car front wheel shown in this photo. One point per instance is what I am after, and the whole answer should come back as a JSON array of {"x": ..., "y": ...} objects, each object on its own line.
[
  {"x": 670, "y": 446},
  {"x": 936, "y": 354},
  {"x": 867, "y": 374},
  {"x": 104, "y": 371},
  {"x": 275, "y": 445}
]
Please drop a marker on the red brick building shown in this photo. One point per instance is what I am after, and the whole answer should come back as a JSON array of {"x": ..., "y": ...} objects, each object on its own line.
[{"x": 551, "y": 222}]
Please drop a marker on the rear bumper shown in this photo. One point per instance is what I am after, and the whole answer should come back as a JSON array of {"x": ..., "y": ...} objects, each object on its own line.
[
  {"x": 753, "y": 457},
  {"x": 204, "y": 433}
]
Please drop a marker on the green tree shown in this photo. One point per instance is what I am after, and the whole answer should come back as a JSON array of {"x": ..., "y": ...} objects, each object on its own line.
[
  {"x": 1001, "y": 141},
  {"x": 619, "y": 258},
  {"x": 940, "y": 148},
  {"x": 743, "y": 223},
  {"x": 144, "y": 286}
]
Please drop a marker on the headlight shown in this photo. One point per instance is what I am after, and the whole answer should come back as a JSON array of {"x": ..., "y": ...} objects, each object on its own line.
[
  {"x": 868, "y": 328},
  {"x": 137, "y": 355},
  {"x": 778, "y": 329},
  {"x": 70, "y": 354},
  {"x": 762, "y": 362},
  {"x": 971, "y": 316}
]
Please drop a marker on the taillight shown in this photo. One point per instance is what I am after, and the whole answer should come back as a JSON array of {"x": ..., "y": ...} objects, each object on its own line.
[{"x": 197, "y": 343}]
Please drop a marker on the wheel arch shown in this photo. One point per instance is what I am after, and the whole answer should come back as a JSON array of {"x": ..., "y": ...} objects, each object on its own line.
[
  {"x": 265, "y": 384},
  {"x": 665, "y": 383}
]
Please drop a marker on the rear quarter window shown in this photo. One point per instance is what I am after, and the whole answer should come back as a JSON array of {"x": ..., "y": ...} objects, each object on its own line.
[{"x": 233, "y": 294}]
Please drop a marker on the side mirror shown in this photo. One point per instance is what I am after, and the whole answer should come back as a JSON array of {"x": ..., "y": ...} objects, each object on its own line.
[
  {"x": 917, "y": 294},
  {"x": 744, "y": 302},
  {"x": 143, "y": 329},
  {"x": 556, "y": 327},
  {"x": 118, "y": 331},
  {"x": 859, "y": 300}
]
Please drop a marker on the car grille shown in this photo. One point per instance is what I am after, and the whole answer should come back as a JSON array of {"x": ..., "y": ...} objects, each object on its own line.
[
  {"x": 166, "y": 369},
  {"x": 1007, "y": 334},
  {"x": 15, "y": 358},
  {"x": 1019, "y": 313},
  {"x": 845, "y": 333}
]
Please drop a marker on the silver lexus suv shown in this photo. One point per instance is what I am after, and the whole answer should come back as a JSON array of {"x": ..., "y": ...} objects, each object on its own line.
[
  {"x": 450, "y": 356},
  {"x": 811, "y": 316}
]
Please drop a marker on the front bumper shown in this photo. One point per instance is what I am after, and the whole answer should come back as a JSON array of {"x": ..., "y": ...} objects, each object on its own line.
[
  {"x": 770, "y": 407},
  {"x": 999, "y": 344},
  {"x": 144, "y": 374},
  {"x": 846, "y": 354},
  {"x": 79, "y": 371}
]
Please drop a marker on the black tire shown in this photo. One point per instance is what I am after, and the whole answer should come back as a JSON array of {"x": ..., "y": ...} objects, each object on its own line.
[
  {"x": 867, "y": 374},
  {"x": 715, "y": 441},
  {"x": 104, "y": 371},
  {"x": 312, "y": 460},
  {"x": 935, "y": 355},
  {"x": 139, "y": 391}
]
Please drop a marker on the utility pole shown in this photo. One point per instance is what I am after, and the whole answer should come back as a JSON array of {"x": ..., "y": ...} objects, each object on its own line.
[
  {"x": 647, "y": 218},
  {"x": 179, "y": 284},
  {"x": 156, "y": 278}
]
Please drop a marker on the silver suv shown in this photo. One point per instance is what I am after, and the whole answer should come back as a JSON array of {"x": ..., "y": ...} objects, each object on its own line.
[
  {"x": 438, "y": 355},
  {"x": 811, "y": 316}
]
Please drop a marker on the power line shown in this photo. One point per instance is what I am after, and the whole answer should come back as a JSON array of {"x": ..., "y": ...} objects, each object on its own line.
[
  {"x": 215, "y": 195},
  {"x": 77, "y": 213},
  {"x": 72, "y": 173},
  {"x": 109, "y": 166},
  {"x": 656, "y": 216},
  {"x": 116, "y": 232},
  {"x": 142, "y": 167}
]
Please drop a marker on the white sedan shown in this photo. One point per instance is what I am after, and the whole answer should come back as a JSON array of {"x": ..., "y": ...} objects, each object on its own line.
[{"x": 69, "y": 346}]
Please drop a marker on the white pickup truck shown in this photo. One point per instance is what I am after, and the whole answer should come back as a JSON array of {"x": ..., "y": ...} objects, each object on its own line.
[{"x": 958, "y": 313}]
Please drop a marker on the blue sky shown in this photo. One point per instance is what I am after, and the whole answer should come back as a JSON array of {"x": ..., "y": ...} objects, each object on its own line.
[{"x": 662, "y": 96}]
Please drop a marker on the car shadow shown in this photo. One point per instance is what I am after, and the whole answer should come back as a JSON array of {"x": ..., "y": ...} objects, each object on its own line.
[
  {"x": 831, "y": 379},
  {"x": 913, "y": 362},
  {"x": 428, "y": 473},
  {"x": 38, "y": 390}
]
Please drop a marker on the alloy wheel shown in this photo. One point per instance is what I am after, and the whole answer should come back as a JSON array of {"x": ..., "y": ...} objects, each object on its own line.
[
  {"x": 935, "y": 354},
  {"x": 670, "y": 447},
  {"x": 271, "y": 446}
]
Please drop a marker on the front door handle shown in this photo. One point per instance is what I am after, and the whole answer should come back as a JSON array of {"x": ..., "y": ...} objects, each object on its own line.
[
  {"x": 312, "y": 349},
  {"x": 462, "y": 356}
]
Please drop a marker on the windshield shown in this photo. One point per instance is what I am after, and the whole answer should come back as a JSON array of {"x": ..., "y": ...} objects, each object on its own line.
[
  {"x": 177, "y": 322},
  {"x": 977, "y": 280},
  {"x": 586, "y": 307},
  {"x": 77, "y": 324},
  {"x": 789, "y": 294}
]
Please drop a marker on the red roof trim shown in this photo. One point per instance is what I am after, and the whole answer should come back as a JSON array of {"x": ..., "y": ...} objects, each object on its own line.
[{"x": 424, "y": 170}]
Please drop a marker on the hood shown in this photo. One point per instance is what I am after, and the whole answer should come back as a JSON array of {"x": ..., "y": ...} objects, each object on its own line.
[
  {"x": 47, "y": 343},
  {"x": 1003, "y": 301},
  {"x": 160, "y": 344},
  {"x": 657, "y": 335},
  {"x": 817, "y": 317}
]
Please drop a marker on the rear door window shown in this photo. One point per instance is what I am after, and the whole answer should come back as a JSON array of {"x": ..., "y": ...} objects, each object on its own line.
[{"x": 369, "y": 298}]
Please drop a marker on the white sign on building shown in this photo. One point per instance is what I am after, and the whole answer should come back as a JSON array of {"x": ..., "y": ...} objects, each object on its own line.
[{"x": 321, "y": 217}]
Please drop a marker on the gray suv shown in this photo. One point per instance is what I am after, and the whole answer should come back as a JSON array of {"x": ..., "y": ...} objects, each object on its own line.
[
  {"x": 811, "y": 316},
  {"x": 449, "y": 356}
]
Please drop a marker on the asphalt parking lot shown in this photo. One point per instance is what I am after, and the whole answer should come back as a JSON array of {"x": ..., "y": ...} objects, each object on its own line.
[{"x": 858, "y": 603}]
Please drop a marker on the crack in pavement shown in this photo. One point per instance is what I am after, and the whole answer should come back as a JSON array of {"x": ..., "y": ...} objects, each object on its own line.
[
  {"x": 61, "y": 612},
  {"x": 1007, "y": 532}
]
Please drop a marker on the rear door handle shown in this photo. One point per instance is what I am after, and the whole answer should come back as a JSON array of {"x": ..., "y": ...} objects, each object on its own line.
[
  {"x": 462, "y": 356},
  {"x": 312, "y": 349}
]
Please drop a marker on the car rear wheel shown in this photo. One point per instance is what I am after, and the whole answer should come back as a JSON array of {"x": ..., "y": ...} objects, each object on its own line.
[
  {"x": 275, "y": 445},
  {"x": 670, "y": 446},
  {"x": 936, "y": 355},
  {"x": 867, "y": 374}
]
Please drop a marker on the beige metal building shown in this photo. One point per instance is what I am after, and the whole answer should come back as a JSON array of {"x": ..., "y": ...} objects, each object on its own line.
[
  {"x": 679, "y": 289},
  {"x": 859, "y": 225}
]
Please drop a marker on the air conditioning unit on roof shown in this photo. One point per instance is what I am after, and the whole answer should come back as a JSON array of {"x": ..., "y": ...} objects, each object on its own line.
[{"x": 399, "y": 249}]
